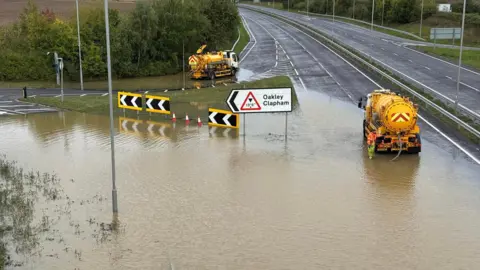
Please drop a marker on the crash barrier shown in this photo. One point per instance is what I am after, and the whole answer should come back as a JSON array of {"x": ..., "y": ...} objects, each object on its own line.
[{"x": 372, "y": 65}]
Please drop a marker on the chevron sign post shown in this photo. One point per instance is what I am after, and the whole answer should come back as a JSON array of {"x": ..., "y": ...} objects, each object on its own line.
[
  {"x": 157, "y": 104},
  {"x": 130, "y": 101},
  {"x": 221, "y": 118}
]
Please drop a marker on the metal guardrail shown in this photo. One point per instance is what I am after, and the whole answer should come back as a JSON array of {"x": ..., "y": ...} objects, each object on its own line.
[
  {"x": 366, "y": 23},
  {"x": 381, "y": 72}
]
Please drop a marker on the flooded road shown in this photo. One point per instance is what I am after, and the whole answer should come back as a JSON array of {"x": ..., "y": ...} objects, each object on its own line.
[{"x": 194, "y": 199}]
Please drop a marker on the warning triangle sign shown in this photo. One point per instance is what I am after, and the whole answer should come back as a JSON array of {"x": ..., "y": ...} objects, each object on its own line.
[{"x": 250, "y": 103}]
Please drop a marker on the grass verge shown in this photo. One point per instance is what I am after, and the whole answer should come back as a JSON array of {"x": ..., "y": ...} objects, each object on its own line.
[
  {"x": 471, "y": 58},
  {"x": 243, "y": 41},
  {"x": 193, "y": 102},
  {"x": 423, "y": 105}
]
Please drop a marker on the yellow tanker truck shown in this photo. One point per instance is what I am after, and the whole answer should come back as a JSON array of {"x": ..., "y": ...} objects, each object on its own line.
[
  {"x": 394, "y": 118},
  {"x": 213, "y": 64}
]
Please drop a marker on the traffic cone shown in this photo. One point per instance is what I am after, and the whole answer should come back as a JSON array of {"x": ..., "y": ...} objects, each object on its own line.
[
  {"x": 187, "y": 121},
  {"x": 174, "y": 119},
  {"x": 199, "y": 121}
]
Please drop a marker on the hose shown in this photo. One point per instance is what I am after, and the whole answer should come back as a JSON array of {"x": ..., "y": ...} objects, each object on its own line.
[{"x": 399, "y": 152}]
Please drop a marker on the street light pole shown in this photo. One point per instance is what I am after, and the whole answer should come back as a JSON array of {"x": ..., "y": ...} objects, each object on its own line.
[
  {"x": 333, "y": 12},
  {"x": 373, "y": 11},
  {"x": 112, "y": 146},
  {"x": 383, "y": 9},
  {"x": 460, "y": 57},
  {"x": 421, "y": 20},
  {"x": 308, "y": 4},
  {"x": 353, "y": 13},
  {"x": 79, "y": 47},
  {"x": 183, "y": 53}
]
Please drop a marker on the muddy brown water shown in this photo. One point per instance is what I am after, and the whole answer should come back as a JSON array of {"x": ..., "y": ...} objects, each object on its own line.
[{"x": 194, "y": 199}]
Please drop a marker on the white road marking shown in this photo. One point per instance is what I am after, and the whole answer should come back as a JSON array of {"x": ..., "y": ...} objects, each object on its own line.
[
  {"x": 104, "y": 94},
  {"x": 146, "y": 92},
  {"x": 448, "y": 77},
  {"x": 410, "y": 61},
  {"x": 9, "y": 106},
  {"x": 428, "y": 68},
  {"x": 291, "y": 63},
  {"x": 395, "y": 54},
  {"x": 383, "y": 49},
  {"x": 83, "y": 95},
  {"x": 296, "y": 72},
  {"x": 6, "y": 101},
  {"x": 370, "y": 79},
  {"x": 288, "y": 57},
  {"x": 58, "y": 95}
]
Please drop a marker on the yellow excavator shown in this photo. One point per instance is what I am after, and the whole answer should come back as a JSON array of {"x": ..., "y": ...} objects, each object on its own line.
[
  {"x": 213, "y": 64},
  {"x": 394, "y": 118}
]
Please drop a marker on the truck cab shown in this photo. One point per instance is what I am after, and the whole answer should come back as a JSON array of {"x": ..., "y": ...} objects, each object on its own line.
[{"x": 232, "y": 59}]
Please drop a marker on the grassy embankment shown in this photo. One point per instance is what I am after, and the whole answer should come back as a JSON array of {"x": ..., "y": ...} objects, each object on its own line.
[
  {"x": 159, "y": 82},
  {"x": 469, "y": 58},
  {"x": 194, "y": 102}
]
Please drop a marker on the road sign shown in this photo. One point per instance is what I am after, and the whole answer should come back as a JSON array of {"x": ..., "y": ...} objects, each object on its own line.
[
  {"x": 221, "y": 118},
  {"x": 130, "y": 101},
  {"x": 260, "y": 100},
  {"x": 157, "y": 104},
  {"x": 445, "y": 33}
]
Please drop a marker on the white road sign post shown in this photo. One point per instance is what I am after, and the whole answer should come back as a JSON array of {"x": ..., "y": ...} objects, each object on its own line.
[{"x": 264, "y": 100}]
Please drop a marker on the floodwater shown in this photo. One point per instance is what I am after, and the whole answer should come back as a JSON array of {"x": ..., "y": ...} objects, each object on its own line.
[{"x": 190, "y": 198}]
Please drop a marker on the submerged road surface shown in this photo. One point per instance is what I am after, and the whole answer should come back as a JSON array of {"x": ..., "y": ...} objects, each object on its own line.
[
  {"x": 435, "y": 75},
  {"x": 317, "y": 69},
  {"x": 195, "y": 199}
]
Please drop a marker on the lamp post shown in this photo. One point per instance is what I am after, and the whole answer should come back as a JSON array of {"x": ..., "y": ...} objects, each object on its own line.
[
  {"x": 353, "y": 13},
  {"x": 421, "y": 20},
  {"x": 460, "y": 57},
  {"x": 373, "y": 12},
  {"x": 112, "y": 145},
  {"x": 183, "y": 55},
  {"x": 333, "y": 12},
  {"x": 383, "y": 9},
  {"x": 79, "y": 47}
]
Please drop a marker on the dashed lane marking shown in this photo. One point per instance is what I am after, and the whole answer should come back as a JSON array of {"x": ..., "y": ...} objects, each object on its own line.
[
  {"x": 104, "y": 94},
  {"x": 82, "y": 95}
]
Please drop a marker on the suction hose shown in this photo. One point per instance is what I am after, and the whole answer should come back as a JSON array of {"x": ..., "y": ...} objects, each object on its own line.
[{"x": 399, "y": 152}]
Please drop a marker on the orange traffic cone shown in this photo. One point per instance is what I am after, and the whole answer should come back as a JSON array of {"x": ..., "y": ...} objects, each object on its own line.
[
  {"x": 187, "y": 121},
  {"x": 199, "y": 121},
  {"x": 174, "y": 119}
]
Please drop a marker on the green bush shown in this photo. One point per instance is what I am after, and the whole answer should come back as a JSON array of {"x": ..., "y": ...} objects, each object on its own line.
[{"x": 146, "y": 41}]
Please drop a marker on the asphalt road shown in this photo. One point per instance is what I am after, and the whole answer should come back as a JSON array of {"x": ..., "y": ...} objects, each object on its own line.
[
  {"x": 317, "y": 69},
  {"x": 435, "y": 75},
  {"x": 9, "y": 104}
]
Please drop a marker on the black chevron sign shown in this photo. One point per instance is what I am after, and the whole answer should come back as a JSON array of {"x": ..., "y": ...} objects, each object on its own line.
[
  {"x": 130, "y": 101},
  {"x": 157, "y": 104},
  {"x": 221, "y": 118}
]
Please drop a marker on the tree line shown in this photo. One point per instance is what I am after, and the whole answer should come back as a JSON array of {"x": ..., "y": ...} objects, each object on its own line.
[
  {"x": 147, "y": 41},
  {"x": 396, "y": 11}
]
